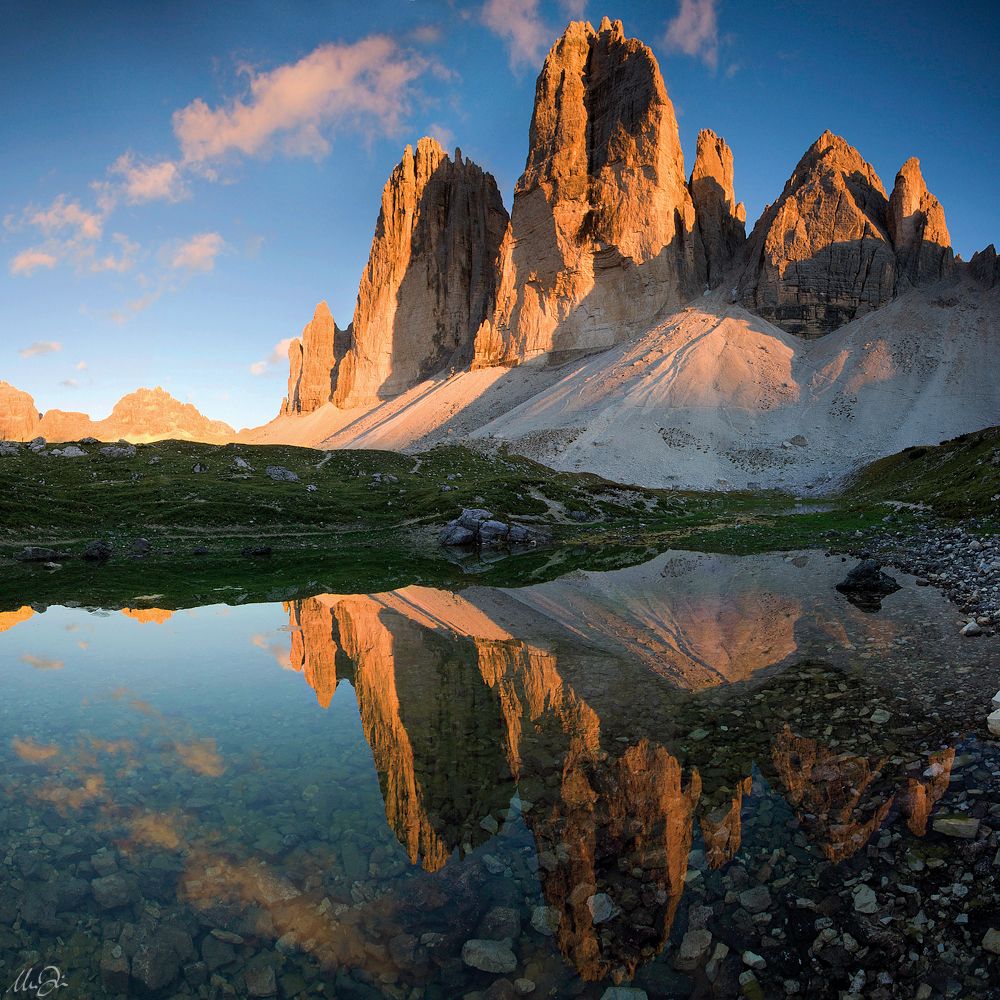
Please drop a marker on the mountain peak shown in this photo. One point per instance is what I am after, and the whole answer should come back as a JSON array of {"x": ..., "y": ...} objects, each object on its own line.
[{"x": 918, "y": 228}]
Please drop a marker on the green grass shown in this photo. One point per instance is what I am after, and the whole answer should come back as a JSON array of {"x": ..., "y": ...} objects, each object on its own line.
[
  {"x": 956, "y": 479},
  {"x": 371, "y": 522}
]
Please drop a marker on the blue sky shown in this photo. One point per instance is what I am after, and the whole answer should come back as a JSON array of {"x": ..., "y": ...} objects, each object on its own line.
[{"x": 181, "y": 183}]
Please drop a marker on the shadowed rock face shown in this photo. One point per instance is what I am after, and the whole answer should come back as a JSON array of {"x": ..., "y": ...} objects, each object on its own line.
[
  {"x": 918, "y": 228},
  {"x": 430, "y": 277},
  {"x": 822, "y": 254},
  {"x": 602, "y": 233},
  {"x": 721, "y": 221},
  {"x": 312, "y": 363}
]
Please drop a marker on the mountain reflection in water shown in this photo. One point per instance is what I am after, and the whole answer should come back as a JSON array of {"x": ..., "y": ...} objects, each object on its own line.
[{"x": 581, "y": 757}]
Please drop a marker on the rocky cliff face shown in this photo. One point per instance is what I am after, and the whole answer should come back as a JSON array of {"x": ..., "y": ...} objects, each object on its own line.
[
  {"x": 143, "y": 415},
  {"x": 721, "y": 220},
  {"x": 822, "y": 253},
  {"x": 430, "y": 277},
  {"x": 918, "y": 228},
  {"x": 602, "y": 233},
  {"x": 19, "y": 416},
  {"x": 313, "y": 360}
]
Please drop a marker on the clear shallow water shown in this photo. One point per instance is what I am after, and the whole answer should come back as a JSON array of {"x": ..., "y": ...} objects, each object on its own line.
[{"x": 633, "y": 777}]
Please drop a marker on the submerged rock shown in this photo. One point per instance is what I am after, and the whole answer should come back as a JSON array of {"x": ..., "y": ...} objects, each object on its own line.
[{"x": 489, "y": 956}]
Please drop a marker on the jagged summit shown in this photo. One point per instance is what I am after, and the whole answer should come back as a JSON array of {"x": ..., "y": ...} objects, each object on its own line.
[
  {"x": 313, "y": 359},
  {"x": 918, "y": 228},
  {"x": 602, "y": 232},
  {"x": 821, "y": 254}
]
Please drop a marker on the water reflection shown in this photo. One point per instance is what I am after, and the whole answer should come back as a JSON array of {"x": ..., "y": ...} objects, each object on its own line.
[{"x": 586, "y": 770}]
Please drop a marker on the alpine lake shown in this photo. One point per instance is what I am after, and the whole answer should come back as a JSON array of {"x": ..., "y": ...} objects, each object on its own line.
[{"x": 698, "y": 776}]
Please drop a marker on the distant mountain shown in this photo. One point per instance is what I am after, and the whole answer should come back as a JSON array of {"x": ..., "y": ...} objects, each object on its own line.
[{"x": 143, "y": 415}]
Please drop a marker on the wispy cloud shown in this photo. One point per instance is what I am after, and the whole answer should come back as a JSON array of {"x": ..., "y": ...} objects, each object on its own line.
[
  {"x": 41, "y": 663},
  {"x": 443, "y": 134},
  {"x": 29, "y": 261},
  {"x": 520, "y": 25},
  {"x": 159, "y": 181},
  {"x": 40, "y": 347},
  {"x": 198, "y": 253},
  {"x": 63, "y": 215},
  {"x": 574, "y": 9},
  {"x": 70, "y": 383},
  {"x": 278, "y": 356},
  {"x": 365, "y": 84},
  {"x": 695, "y": 31}
]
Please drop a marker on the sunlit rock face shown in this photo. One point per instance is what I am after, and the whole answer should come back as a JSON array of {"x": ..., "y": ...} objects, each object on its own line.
[
  {"x": 835, "y": 794},
  {"x": 918, "y": 228},
  {"x": 721, "y": 220},
  {"x": 920, "y": 794},
  {"x": 822, "y": 253},
  {"x": 314, "y": 646},
  {"x": 9, "y": 619},
  {"x": 143, "y": 415},
  {"x": 430, "y": 278},
  {"x": 148, "y": 616},
  {"x": 602, "y": 234},
  {"x": 19, "y": 417},
  {"x": 313, "y": 360}
]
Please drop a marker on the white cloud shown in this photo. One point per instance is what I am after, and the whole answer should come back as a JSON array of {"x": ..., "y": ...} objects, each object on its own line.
[
  {"x": 198, "y": 253},
  {"x": 574, "y": 9},
  {"x": 695, "y": 31},
  {"x": 40, "y": 347},
  {"x": 365, "y": 84},
  {"x": 520, "y": 25},
  {"x": 160, "y": 181},
  {"x": 29, "y": 261},
  {"x": 278, "y": 356}
]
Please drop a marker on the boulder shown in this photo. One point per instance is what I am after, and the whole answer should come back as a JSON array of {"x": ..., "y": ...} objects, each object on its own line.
[
  {"x": 866, "y": 585},
  {"x": 489, "y": 956},
  {"x": 97, "y": 551},
  {"x": 281, "y": 475},
  {"x": 37, "y": 553}
]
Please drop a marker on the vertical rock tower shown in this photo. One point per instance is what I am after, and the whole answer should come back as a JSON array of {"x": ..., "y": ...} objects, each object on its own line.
[
  {"x": 602, "y": 235},
  {"x": 313, "y": 360},
  {"x": 918, "y": 228},
  {"x": 721, "y": 221},
  {"x": 430, "y": 278}
]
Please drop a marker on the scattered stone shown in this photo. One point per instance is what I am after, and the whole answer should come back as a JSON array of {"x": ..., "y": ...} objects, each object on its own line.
[
  {"x": 971, "y": 629},
  {"x": 865, "y": 900},
  {"x": 97, "y": 551},
  {"x": 499, "y": 923},
  {"x": 281, "y": 475},
  {"x": 753, "y": 960},
  {"x": 756, "y": 900},
  {"x": 199, "y": 467},
  {"x": 991, "y": 941},
  {"x": 35, "y": 553},
  {"x": 123, "y": 450},
  {"x": 602, "y": 907},
  {"x": 965, "y": 827},
  {"x": 489, "y": 956},
  {"x": 693, "y": 950},
  {"x": 993, "y": 722},
  {"x": 546, "y": 920},
  {"x": 242, "y": 465},
  {"x": 880, "y": 716},
  {"x": 261, "y": 981},
  {"x": 522, "y": 986},
  {"x": 70, "y": 451},
  {"x": 112, "y": 891},
  {"x": 256, "y": 551}
]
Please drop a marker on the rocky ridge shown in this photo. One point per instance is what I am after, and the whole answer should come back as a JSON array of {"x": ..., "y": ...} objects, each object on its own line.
[{"x": 143, "y": 415}]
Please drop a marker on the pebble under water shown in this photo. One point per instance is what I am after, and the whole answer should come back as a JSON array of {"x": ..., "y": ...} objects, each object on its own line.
[{"x": 707, "y": 776}]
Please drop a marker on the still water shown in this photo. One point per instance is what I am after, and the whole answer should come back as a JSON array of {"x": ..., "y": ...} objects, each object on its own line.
[{"x": 704, "y": 776}]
